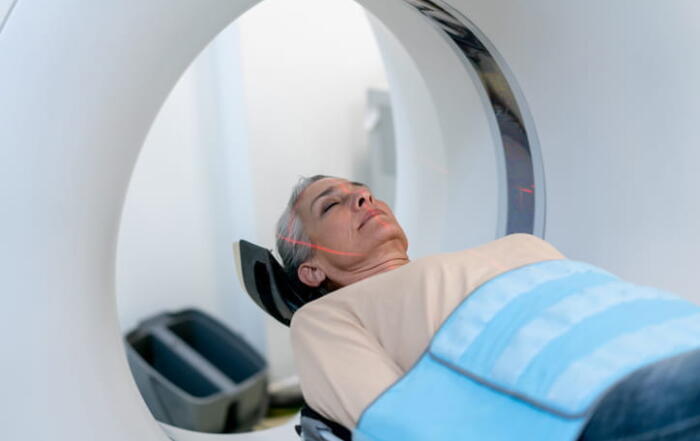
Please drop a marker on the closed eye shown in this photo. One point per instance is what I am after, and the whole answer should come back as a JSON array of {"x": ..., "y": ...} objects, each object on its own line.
[{"x": 328, "y": 207}]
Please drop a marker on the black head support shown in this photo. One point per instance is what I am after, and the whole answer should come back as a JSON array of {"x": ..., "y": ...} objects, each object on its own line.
[{"x": 267, "y": 284}]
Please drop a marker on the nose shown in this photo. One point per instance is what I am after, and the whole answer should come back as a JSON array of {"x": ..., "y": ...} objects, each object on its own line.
[{"x": 362, "y": 197}]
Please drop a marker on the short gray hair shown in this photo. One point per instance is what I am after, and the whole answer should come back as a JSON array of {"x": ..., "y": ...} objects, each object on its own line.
[{"x": 292, "y": 241}]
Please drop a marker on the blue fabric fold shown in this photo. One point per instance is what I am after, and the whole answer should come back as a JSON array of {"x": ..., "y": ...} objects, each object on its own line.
[{"x": 529, "y": 354}]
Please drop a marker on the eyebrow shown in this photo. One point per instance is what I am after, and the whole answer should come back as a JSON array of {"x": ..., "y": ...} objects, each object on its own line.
[{"x": 330, "y": 190}]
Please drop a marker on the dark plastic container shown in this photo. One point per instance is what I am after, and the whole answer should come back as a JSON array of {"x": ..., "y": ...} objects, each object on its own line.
[{"x": 196, "y": 374}]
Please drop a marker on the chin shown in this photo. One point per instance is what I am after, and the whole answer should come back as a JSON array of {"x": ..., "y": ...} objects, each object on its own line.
[{"x": 384, "y": 233}]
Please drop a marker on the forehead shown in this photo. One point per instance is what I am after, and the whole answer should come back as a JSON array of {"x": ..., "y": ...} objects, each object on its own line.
[
  {"x": 322, "y": 185},
  {"x": 318, "y": 187}
]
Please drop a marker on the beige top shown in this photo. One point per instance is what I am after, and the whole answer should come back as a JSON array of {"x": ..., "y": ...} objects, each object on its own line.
[{"x": 352, "y": 344}]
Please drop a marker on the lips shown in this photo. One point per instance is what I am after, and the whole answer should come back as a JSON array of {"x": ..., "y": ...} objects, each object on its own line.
[{"x": 369, "y": 215}]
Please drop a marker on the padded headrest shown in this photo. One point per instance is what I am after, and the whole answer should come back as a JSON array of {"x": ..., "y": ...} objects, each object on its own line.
[{"x": 267, "y": 284}]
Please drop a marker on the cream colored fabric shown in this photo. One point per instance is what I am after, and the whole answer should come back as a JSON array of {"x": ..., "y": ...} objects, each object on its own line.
[{"x": 354, "y": 343}]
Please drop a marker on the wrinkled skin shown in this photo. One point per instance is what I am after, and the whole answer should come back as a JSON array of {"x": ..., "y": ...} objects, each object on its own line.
[{"x": 354, "y": 235}]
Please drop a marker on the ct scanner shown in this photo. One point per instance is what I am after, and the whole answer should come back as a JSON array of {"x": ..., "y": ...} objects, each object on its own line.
[{"x": 600, "y": 98}]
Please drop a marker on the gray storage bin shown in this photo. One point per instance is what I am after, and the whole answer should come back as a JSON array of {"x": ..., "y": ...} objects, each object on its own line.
[{"x": 195, "y": 373}]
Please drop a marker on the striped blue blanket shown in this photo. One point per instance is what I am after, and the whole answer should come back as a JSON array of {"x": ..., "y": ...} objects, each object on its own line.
[{"x": 529, "y": 354}]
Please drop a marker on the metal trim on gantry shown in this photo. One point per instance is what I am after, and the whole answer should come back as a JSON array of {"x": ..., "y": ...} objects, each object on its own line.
[{"x": 522, "y": 183}]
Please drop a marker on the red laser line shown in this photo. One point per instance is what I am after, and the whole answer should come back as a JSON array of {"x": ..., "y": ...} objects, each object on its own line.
[
  {"x": 345, "y": 188},
  {"x": 437, "y": 168},
  {"x": 318, "y": 247}
]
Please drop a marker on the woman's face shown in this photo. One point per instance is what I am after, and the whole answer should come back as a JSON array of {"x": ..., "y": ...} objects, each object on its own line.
[{"x": 348, "y": 228}]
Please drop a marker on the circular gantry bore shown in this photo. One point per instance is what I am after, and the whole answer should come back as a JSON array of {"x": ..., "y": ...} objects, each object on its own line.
[{"x": 524, "y": 177}]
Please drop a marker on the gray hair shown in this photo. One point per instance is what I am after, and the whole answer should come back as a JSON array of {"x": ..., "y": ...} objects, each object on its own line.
[{"x": 292, "y": 241}]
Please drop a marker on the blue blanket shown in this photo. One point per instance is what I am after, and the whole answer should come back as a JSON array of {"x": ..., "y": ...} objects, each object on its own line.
[{"x": 529, "y": 354}]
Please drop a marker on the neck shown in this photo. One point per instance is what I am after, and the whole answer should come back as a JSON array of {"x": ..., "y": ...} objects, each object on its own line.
[{"x": 370, "y": 269}]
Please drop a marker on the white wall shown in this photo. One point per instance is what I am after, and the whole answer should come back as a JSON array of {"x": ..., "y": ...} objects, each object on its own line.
[
  {"x": 187, "y": 201},
  {"x": 281, "y": 93},
  {"x": 307, "y": 66}
]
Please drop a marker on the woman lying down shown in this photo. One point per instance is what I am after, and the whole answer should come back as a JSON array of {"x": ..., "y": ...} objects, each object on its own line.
[{"x": 506, "y": 341}]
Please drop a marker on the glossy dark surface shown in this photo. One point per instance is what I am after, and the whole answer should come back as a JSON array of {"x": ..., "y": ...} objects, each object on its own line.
[{"x": 515, "y": 142}]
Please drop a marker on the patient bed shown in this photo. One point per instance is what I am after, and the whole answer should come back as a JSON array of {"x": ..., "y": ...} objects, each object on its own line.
[{"x": 451, "y": 346}]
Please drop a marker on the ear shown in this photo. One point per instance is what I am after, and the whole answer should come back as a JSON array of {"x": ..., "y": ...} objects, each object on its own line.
[{"x": 310, "y": 274}]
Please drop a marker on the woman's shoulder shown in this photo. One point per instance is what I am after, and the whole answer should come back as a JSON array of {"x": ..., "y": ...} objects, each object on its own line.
[{"x": 501, "y": 251}]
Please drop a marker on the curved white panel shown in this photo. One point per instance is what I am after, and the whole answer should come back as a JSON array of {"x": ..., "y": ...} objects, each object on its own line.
[
  {"x": 612, "y": 89},
  {"x": 6, "y": 7},
  {"x": 83, "y": 108},
  {"x": 447, "y": 189},
  {"x": 86, "y": 81}
]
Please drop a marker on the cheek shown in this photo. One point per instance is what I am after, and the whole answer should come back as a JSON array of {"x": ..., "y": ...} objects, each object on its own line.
[
  {"x": 382, "y": 205},
  {"x": 333, "y": 229}
]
